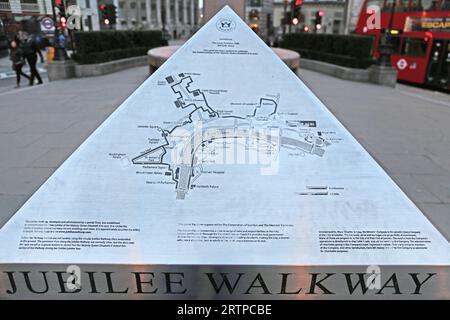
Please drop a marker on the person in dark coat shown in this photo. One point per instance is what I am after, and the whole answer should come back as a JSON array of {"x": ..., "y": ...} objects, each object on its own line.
[
  {"x": 30, "y": 52},
  {"x": 16, "y": 56}
]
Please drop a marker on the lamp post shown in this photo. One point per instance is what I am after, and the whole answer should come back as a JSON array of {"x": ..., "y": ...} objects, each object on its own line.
[
  {"x": 60, "y": 54},
  {"x": 386, "y": 48}
]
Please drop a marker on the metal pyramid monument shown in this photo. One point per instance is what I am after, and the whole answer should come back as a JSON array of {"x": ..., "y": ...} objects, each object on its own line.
[{"x": 223, "y": 161}]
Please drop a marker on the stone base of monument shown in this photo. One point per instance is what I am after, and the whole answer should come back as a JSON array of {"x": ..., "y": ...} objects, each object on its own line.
[
  {"x": 60, "y": 70},
  {"x": 217, "y": 282},
  {"x": 99, "y": 69},
  {"x": 375, "y": 74},
  {"x": 386, "y": 76}
]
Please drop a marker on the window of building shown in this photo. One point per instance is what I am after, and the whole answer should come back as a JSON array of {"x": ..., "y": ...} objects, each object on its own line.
[
  {"x": 253, "y": 15},
  {"x": 254, "y": 3},
  {"x": 89, "y": 23},
  {"x": 88, "y": 4},
  {"x": 336, "y": 26},
  {"x": 414, "y": 47},
  {"x": 143, "y": 5},
  {"x": 121, "y": 4},
  {"x": 133, "y": 5}
]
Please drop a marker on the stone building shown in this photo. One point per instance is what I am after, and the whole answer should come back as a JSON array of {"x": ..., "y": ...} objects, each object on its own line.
[
  {"x": 259, "y": 17},
  {"x": 180, "y": 18},
  {"x": 338, "y": 15}
]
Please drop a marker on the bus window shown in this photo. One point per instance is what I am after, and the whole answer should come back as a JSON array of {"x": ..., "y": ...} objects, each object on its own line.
[
  {"x": 401, "y": 5},
  {"x": 395, "y": 40},
  {"x": 387, "y": 5},
  {"x": 378, "y": 3},
  {"x": 434, "y": 6},
  {"x": 416, "y": 5},
  {"x": 426, "y": 5},
  {"x": 414, "y": 47},
  {"x": 445, "y": 5}
]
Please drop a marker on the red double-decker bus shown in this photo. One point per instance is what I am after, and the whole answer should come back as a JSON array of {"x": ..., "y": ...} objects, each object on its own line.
[{"x": 420, "y": 35}]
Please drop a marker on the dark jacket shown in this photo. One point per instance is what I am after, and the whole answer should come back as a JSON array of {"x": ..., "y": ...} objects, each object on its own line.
[
  {"x": 30, "y": 49},
  {"x": 16, "y": 56}
]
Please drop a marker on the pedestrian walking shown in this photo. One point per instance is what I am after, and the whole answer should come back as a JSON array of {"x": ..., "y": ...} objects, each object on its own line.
[
  {"x": 16, "y": 56},
  {"x": 30, "y": 52}
]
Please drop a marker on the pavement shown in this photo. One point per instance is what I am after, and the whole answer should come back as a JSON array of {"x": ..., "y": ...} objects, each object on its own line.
[
  {"x": 8, "y": 75},
  {"x": 405, "y": 129},
  {"x": 41, "y": 126}
]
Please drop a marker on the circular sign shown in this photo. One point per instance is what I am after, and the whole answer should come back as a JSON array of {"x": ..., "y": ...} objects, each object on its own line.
[
  {"x": 402, "y": 64},
  {"x": 226, "y": 25},
  {"x": 47, "y": 23}
]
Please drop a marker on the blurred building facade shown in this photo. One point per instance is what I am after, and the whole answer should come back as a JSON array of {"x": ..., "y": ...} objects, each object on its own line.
[
  {"x": 260, "y": 17},
  {"x": 25, "y": 15},
  {"x": 340, "y": 16},
  {"x": 179, "y": 18},
  {"x": 90, "y": 20}
]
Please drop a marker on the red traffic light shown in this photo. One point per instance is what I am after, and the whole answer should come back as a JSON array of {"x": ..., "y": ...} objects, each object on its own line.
[
  {"x": 320, "y": 13},
  {"x": 63, "y": 22},
  {"x": 298, "y": 2},
  {"x": 102, "y": 7}
]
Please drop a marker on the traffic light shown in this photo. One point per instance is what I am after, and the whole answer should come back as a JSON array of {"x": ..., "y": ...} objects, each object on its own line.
[
  {"x": 104, "y": 14},
  {"x": 59, "y": 4},
  {"x": 111, "y": 13},
  {"x": 296, "y": 7},
  {"x": 63, "y": 22},
  {"x": 318, "y": 20},
  {"x": 108, "y": 13}
]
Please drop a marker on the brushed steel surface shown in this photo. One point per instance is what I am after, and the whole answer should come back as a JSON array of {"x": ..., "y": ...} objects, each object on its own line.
[{"x": 169, "y": 180}]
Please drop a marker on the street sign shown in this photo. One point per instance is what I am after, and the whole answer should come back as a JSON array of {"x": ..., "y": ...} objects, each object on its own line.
[
  {"x": 222, "y": 167},
  {"x": 47, "y": 25},
  {"x": 402, "y": 64}
]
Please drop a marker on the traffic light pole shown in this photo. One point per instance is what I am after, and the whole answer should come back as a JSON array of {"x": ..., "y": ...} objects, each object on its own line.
[
  {"x": 386, "y": 48},
  {"x": 60, "y": 54},
  {"x": 291, "y": 17}
]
